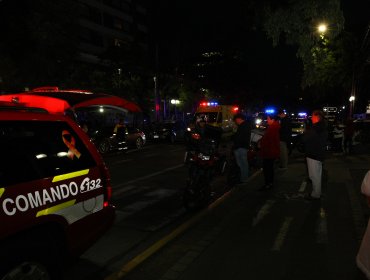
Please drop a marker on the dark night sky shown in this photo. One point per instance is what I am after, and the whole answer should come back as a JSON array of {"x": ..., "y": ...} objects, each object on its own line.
[{"x": 189, "y": 27}]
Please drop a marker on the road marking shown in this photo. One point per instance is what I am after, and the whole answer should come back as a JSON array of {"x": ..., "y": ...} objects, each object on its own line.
[
  {"x": 123, "y": 190},
  {"x": 133, "y": 263},
  {"x": 303, "y": 186},
  {"x": 129, "y": 266},
  {"x": 265, "y": 209},
  {"x": 282, "y": 234}
]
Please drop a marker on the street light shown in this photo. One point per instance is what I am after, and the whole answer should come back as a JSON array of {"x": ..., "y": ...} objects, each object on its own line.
[
  {"x": 322, "y": 28},
  {"x": 175, "y": 102},
  {"x": 352, "y": 104}
]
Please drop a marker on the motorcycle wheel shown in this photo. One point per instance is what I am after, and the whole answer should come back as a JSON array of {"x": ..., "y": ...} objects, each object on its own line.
[{"x": 194, "y": 196}]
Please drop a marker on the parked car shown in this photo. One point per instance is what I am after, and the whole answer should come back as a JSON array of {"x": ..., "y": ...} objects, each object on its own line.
[
  {"x": 135, "y": 137},
  {"x": 298, "y": 128},
  {"x": 107, "y": 140},
  {"x": 171, "y": 131},
  {"x": 54, "y": 194}
]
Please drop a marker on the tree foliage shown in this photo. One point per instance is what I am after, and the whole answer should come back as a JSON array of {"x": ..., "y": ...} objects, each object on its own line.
[{"x": 324, "y": 56}]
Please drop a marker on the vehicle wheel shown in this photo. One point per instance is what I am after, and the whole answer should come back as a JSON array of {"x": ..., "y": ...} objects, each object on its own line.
[
  {"x": 33, "y": 257},
  {"x": 172, "y": 139},
  {"x": 139, "y": 143},
  {"x": 192, "y": 199},
  {"x": 196, "y": 194},
  {"x": 104, "y": 146},
  {"x": 28, "y": 270}
]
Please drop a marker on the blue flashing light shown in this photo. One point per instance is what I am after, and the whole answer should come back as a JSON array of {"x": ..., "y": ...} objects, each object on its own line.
[
  {"x": 209, "y": 103},
  {"x": 270, "y": 111},
  {"x": 302, "y": 114}
]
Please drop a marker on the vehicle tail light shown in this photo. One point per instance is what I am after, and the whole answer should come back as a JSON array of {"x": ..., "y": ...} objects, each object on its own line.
[
  {"x": 195, "y": 136},
  {"x": 108, "y": 186}
]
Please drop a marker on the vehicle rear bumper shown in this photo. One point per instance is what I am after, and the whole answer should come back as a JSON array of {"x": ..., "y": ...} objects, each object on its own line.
[{"x": 84, "y": 233}]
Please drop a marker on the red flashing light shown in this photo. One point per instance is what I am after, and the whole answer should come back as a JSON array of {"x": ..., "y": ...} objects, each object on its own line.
[
  {"x": 45, "y": 89},
  {"x": 156, "y": 107},
  {"x": 235, "y": 109}
]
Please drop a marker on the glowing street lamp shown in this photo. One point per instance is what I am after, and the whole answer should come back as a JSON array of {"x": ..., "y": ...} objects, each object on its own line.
[
  {"x": 351, "y": 105},
  {"x": 322, "y": 28},
  {"x": 175, "y": 101}
]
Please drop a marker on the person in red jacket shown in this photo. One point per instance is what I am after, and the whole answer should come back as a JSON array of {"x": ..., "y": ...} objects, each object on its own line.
[{"x": 270, "y": 150}]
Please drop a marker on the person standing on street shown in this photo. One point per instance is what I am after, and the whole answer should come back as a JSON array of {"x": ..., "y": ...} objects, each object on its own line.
[
  {"x": 337, "y": 137},
  {"x": 314, "y": 140},
  {"x": 241, "y": 142},
  {"x": 285, "y": 137},
  {"x": 270, "y": 150}
]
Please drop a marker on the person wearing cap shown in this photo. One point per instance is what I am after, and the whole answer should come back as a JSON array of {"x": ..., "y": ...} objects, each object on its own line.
[
  {"x": 285, "y": 137},
  {"x": 241, "y": 142}
]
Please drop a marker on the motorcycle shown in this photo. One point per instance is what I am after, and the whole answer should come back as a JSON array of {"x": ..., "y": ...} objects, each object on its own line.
[{"x": 204, "y": 164}]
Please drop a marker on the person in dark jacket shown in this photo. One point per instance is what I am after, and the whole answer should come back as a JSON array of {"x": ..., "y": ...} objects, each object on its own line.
[
  {"x": 241, "y": 142},
  {"x": 270, "y": 150},
  {"x": 285, "y": 137},
  {"x": 314, "y": 139}
]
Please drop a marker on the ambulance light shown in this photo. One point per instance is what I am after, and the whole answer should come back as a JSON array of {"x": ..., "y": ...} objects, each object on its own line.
[
  {"x": 208, "y": 103},
  {"x": 235, "y": 109}
]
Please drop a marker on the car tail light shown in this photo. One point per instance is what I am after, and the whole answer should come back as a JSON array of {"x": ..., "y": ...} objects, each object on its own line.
[{"x": 108, "y": 186}]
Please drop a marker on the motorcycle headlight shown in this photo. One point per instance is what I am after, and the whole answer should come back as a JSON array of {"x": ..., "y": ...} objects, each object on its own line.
[{"x": 203, "y": 157}]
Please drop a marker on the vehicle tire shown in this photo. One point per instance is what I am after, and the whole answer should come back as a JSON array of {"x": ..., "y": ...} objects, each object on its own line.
[
  {"x": 194, "y": 198},
  {"x": 104, "y": 146},
  {"x": 34, "y": 255},
  {"x": 27, "y": 270},
  {"x": 196, "y": 194},
  {"x": 172, "y": 139},
  {"x": 139, "y": 143}
]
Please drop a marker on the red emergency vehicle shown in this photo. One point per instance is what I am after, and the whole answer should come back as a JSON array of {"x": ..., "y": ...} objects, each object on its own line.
[{"x": 54, "y": 192}]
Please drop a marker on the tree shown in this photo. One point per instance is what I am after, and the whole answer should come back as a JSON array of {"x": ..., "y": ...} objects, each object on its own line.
[{"x": 324, "y": 56}]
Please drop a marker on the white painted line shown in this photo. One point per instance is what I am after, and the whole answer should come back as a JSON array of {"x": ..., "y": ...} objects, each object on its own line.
[
  {"x": 282, "y": 234},
  {"x": 120, "y": 191},
  {"x": 265, "y": 209},
  {"x": 303, "y": 186}
]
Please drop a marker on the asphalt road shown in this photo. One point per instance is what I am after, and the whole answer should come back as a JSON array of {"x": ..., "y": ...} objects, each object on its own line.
[{"x": 153, "y": 232}]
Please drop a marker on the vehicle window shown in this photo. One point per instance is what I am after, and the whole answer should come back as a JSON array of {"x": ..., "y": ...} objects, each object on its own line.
[
  {"x": 209, "y": 116},
  {"x": 33, "y": 150},
  {"x": 219, "y": 118}
]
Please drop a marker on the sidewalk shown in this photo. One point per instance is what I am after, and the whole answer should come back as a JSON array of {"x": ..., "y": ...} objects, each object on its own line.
[{"x": 273, "y": 234}]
